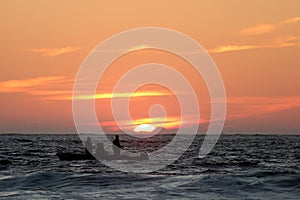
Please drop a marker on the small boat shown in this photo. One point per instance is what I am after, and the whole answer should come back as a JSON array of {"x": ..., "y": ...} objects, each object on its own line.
[
  {"x": 82, "y": 156},
  {"x": 75, "y": 156}
]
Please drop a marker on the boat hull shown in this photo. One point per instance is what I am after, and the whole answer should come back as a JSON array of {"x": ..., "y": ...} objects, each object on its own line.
[{"x": 77, "y": 156}]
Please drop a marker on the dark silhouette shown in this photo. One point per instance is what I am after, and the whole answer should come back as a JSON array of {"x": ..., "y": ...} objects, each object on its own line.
[
  {"x": 117, "y": 146},
  {"x": 100, "y": 151},
  {"x": 88, "y": 146}
]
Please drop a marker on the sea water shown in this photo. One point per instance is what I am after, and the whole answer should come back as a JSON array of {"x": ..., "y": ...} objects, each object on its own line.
[{"x": 239, "y": 167}]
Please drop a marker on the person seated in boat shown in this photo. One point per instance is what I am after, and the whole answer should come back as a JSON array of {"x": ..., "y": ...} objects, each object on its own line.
[
  {"x": 116, "y": 146},
  {"x": 100, "y": 151},
  {"x": 88, "y": 146}
]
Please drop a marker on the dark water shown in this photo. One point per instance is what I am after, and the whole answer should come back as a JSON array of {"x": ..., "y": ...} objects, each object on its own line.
[{"x": 239, "y": 167}]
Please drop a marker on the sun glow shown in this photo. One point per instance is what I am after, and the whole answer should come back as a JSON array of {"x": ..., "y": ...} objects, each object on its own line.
[
  {"x": 123, "y": 95},
  {"x": 144, "y": 128}
]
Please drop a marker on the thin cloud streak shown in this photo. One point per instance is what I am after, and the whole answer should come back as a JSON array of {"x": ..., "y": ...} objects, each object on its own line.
[
  {"x": 287, "y": 41},
  {"x": 227, "y": 48},
  {"x": 26, "y": 85},
  {"x": 52, "y": 52},
  {"x": 104, "y": 96},
  {"x": 258, "y": 29},
  {"x": 262, "y": 29},
  {"x": 292, "y": 20},
  {"x": 124, "y": 95},
  {"x": 41, "y": 87}
]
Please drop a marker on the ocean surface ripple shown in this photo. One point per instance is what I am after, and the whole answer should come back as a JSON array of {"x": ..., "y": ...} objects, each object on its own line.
[{"x": 239, "y": 167}]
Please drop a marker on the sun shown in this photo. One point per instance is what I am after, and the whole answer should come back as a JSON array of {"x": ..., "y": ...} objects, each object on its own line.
[{"x": 144, "y": 128}]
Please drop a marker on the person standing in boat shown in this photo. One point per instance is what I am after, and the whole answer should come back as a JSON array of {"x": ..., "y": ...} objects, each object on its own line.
[
  {"x": 88, "y": 146},
  {"x": 100, "y": 151},
  {"x": 116, "y": 146}
]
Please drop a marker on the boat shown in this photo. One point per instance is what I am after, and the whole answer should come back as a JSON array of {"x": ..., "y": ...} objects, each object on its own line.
[
  {"x": 82, "y": 156},
  {"x": 75, "y": 156}
]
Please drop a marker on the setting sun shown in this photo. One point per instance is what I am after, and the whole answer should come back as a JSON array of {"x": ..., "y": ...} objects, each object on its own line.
[{"x": 144, "y": 128}]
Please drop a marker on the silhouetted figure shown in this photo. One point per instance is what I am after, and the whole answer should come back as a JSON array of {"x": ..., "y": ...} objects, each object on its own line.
[
  {"x": 88, "y": 146},
  {"x": 100, "y": 151},
  {"x": 117, "y": 146}
]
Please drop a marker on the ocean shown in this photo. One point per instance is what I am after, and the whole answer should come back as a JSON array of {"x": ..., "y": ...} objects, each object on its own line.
[{"x": 239, "y": 167}]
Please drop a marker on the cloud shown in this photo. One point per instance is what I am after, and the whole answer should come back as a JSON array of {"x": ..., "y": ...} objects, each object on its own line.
[
  {"x": 170, "y": 122},
  {"x": 247, "y": 107},
  {"x": 258, "y": 29},
  {"x": 124, "y": 95},
  {"x": 221, "y": 49},
  {"x": 239, "y": 108},
  {"x": 26, "y": 85},
  {"x": 261, "y": 29},
  {"x": 56, "y": 88},
  {"x": 292, "y": 20},
  {"x": 52, "y": 52},
  {"x": 287, "y": 41},
  {"x": 139, "y": 47},
  {"x": 50, "y": 87}
]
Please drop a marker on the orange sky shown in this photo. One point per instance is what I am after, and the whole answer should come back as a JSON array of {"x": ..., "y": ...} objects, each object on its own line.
[{"x": 255, "y": 44}]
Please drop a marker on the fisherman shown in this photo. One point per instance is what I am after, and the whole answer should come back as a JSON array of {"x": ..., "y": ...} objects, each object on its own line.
[
  {"x": 88, "y": 146},
  {"x": 100, "y": 151},
  {"x": 117, "y": 146}
]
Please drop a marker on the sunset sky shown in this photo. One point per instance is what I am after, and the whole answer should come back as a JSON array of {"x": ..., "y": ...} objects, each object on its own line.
[{"x": 255, "y": 44}]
